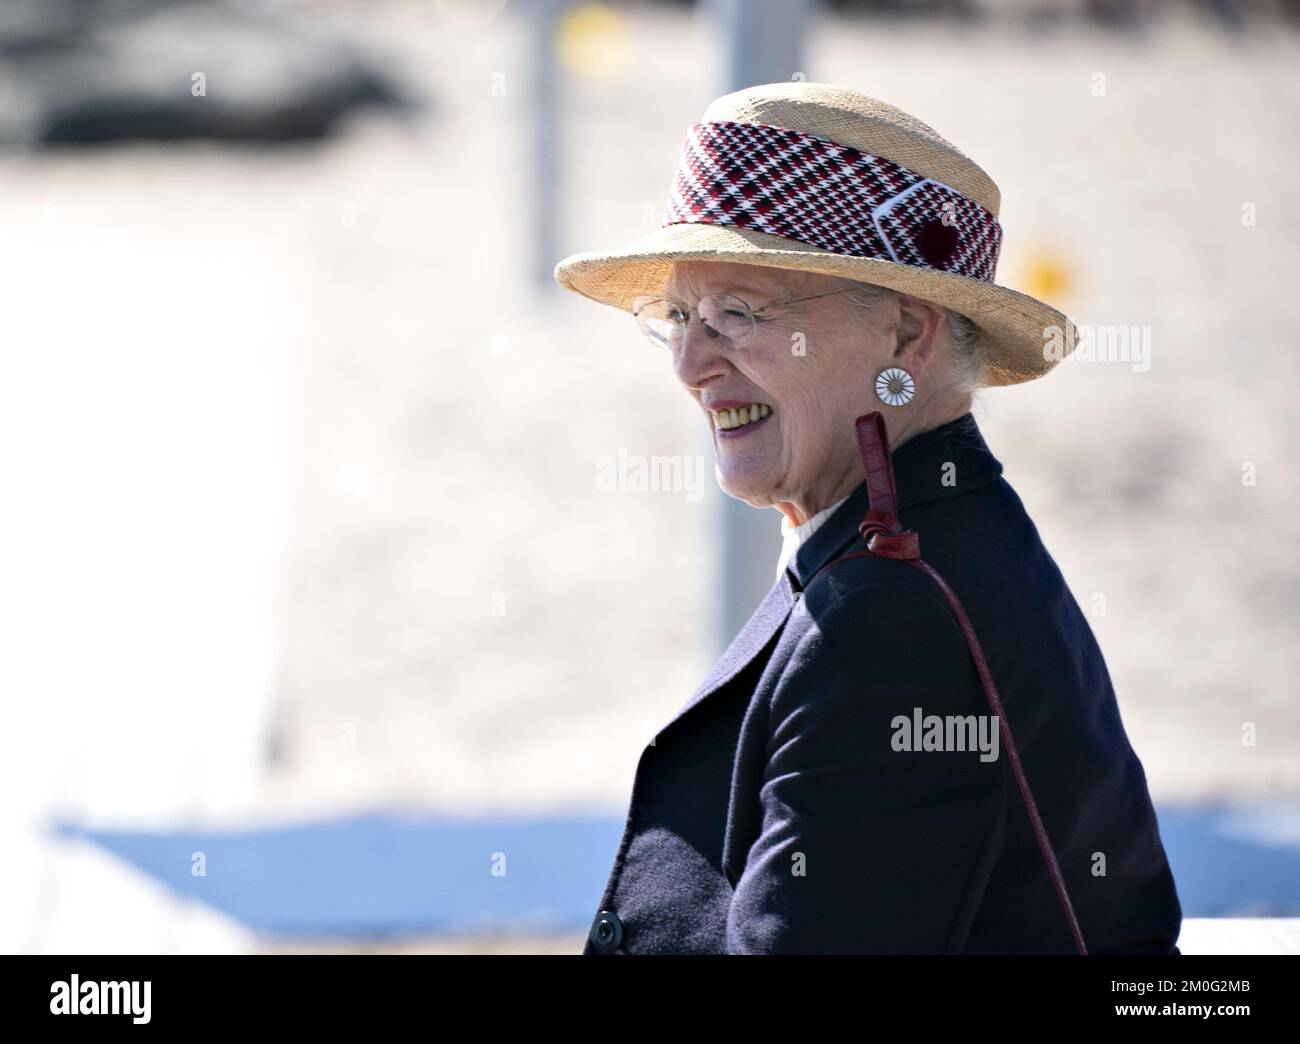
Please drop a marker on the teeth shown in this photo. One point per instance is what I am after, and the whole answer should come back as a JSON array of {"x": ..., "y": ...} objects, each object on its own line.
[{"x": 735, "y": 418}]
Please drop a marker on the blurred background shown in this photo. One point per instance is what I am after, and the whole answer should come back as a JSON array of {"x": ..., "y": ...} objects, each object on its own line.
[{"x": 317, "y": 613}]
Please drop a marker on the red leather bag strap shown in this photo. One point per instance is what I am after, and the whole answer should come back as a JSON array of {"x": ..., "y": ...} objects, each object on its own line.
[{"x": 887, "y": 538}]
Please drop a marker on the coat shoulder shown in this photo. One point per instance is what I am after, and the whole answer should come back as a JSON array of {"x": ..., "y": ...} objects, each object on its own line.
[
  {"x": 869, "y": 585},
  {"x": 877, "y": 626}
]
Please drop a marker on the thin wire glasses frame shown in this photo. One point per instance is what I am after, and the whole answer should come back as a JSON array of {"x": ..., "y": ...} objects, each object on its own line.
[{"x": 664, "y": 321}]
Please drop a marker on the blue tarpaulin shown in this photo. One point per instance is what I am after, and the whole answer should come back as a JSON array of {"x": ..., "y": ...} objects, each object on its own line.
[
  {"x": 386, "y": 873},
  {"x": 404, "y": 873}
]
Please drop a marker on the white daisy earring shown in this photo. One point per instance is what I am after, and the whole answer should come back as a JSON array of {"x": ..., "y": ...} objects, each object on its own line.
[{"x": 894, "y": 386}]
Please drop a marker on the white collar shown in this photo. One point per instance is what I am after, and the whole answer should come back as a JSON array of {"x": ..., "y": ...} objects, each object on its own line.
[{"x": 793, "y": 536}]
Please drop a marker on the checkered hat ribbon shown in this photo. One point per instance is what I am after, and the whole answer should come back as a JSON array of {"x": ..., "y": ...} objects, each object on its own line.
[{"x": 833, "y": 196}]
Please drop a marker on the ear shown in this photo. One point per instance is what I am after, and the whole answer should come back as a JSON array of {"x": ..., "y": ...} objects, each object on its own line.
[{"x": 918, "y": 333}]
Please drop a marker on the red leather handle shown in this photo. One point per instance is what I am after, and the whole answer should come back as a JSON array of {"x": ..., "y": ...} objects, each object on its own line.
[
  {"x": 886, "y": 537},
  {"x": 877, "y": 462}
]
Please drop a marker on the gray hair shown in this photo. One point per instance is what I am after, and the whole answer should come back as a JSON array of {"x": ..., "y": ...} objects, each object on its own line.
[{"x": 968, "y": 351}]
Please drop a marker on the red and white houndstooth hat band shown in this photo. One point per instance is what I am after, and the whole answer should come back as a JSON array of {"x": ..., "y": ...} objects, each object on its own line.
[{"x": 818, "y": 178}]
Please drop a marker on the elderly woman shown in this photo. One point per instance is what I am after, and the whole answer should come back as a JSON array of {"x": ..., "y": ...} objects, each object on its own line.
[{"x": 913, "y": 745}]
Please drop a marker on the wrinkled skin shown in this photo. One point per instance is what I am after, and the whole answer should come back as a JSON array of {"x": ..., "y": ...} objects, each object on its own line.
[{"x": 804, "y": 457}]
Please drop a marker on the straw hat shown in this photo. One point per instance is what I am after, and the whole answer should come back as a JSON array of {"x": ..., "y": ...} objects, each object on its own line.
[{"x": 819, "y": 178}]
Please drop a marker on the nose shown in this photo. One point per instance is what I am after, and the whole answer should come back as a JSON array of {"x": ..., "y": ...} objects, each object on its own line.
[{"x": 700, "y": 356}]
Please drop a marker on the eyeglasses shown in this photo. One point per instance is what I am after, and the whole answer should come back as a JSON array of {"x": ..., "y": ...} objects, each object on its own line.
[{"x": 664, "y": 322}]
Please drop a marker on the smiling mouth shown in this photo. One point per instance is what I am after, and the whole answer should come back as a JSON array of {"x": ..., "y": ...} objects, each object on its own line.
[{"x": 741, "y": 417}]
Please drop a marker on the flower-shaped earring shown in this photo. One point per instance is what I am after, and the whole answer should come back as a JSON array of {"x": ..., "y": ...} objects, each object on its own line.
[{"x": 894, "y": 386}]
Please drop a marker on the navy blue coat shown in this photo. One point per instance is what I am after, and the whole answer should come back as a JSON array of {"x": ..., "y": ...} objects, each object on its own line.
[{"x": 775, "y": 813}]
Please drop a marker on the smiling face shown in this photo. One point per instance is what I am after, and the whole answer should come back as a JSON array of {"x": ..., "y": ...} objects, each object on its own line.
[{"x": 810, "y": 368}]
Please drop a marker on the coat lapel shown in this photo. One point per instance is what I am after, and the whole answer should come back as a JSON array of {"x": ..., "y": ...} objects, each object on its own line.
[{"x": 766, "y": 620}]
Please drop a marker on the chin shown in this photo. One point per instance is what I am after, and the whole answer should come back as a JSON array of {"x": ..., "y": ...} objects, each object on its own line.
[{"x": 752, "y": 489}]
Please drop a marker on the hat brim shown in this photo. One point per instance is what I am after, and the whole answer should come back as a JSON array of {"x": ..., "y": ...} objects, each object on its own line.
[{"x": 1014, "y": 327}]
